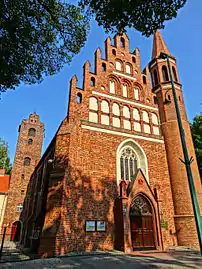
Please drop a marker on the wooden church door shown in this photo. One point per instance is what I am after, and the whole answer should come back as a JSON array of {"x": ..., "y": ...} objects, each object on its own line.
[{"x": 142, "y": 232}]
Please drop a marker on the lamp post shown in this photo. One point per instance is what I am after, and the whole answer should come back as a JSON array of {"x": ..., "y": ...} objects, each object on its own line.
[{"x": 187, "y": 161}]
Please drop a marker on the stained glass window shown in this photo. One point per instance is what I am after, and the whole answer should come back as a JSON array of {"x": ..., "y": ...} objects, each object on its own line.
[{"x": 128, "y": 164}]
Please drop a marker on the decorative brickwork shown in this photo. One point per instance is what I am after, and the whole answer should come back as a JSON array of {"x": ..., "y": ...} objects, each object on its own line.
[
  {"x": 115, "y": 146},
  {"x": 28, "y": 152}
]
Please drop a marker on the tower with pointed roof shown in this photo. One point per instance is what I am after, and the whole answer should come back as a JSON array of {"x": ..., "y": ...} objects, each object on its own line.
[
  {"x": 161, "y": 86},
  {"x": 28, "y": 152}
]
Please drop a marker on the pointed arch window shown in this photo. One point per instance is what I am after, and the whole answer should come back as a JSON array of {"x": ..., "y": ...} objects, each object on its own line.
[
  {"x": 128, "y": 164},
  {"x": 165, "y": 73},
  {"x": 174, "y": 73},
  {"x": 155, "y": 76}
]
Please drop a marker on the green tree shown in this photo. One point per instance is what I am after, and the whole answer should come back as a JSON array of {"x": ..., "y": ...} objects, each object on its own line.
[
  {"x": 4, "y": 158},
  {"x": 145, "y": 16},
  {"x": 196, "y": 129},
  {"x": 37, "y": 38}
]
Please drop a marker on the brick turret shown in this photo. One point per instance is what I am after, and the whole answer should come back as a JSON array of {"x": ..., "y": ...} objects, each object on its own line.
[{"x": 184, "y": 217}]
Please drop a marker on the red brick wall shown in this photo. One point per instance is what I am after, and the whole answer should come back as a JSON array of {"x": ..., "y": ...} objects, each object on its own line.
[
  {"x": 83, "y": 185},
  {"x": 18, "y": 185}
]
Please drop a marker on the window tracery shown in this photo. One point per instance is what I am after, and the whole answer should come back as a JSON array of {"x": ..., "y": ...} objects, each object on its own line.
[
  {"x": 140, "y": 207},
  {"x": 128, "y": 164}
]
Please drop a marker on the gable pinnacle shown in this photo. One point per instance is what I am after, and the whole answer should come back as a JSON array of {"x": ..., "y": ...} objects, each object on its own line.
[{"x": 159, "y": 45}]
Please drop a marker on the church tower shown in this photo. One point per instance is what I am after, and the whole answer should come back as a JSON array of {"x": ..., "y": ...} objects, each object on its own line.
[
  {"x": 28, "y": 153},
  {"x": 161, "y": 86}
]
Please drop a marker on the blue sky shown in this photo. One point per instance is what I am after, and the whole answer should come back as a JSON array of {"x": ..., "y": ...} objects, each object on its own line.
[{"x": 49, "y": 99}]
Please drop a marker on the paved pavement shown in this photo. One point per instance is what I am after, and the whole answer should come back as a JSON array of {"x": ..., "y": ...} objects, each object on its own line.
[{"x": 188, "y": 259}]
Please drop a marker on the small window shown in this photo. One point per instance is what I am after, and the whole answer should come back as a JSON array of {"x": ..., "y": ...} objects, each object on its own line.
[
  {"x": 105, "y": 106},
  {"x": 165, "y": 73},
  {"x": 179, "y": 98},
  {"x": 126, "y": 112},
  {"x": 92, "y": 81},
  {"x": 125, "y": 91},
  {"x": 116, "y": 109},
  {"x": 22, "y": 177},
  {"x": 119, "y": 66},
  {"x": 22, "y": 191},
  {"x": 79, "y": 98},
  {"x": 174, "y": 73},
  {"x": 134, "y": 60},
  {"x": 128, "y": 69},
  {"x": 111, "y": 86},
  {"x": 145, "y": 116},
  {"x": 122, "y": 42},
  {"x": 30, "y": 141},
  {"x": 136, "y": 114},
  {"x": 93, "y": 104},
  {"x": 27, "y": 161},
  {"x": 144, "y": 80},
  {"x": 104, "y": 67},
  {"x": 155, "y": 76},
  {"x": 169, "y": 98},
  {"x": 114, "y": 52},
  {"x": 19, "y": 208},
  {"x": 32, "y": 132},
  {"x": 136, "y": 94},
  {"x": 155, "y": 119}
]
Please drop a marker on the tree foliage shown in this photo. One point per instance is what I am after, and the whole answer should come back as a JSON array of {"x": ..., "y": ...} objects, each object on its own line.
[
  {"x": 196, "y": 129},
  {"x": 145, "y": 16},
  {"x": 4, "y": 158},
  {"x": 37, "y": 38}
]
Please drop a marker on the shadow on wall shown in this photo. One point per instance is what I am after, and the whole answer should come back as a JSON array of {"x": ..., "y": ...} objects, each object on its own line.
[{"x": 72, "y": 198}]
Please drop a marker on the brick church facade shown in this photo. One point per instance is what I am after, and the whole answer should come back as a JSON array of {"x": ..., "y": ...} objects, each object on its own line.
[{"x": 111, "y": 177}]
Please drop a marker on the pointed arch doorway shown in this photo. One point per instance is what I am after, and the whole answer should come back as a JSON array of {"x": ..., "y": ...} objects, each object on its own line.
[{"x": 142, "y": 224}]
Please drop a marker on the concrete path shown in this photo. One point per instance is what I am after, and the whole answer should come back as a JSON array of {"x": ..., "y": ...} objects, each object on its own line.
[{"x": 118, "y": 261}]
